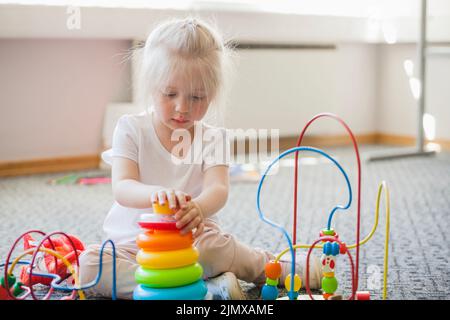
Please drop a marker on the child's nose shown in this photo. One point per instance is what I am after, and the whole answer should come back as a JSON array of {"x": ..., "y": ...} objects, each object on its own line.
[{"x": 182, "y": 106}]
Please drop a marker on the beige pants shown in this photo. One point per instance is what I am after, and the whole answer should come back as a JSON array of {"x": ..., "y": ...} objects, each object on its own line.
[{"x": 219, "y": 252}]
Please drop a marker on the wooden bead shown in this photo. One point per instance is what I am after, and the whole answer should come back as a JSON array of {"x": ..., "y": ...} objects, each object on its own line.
[{"x": 297, "y": 282}]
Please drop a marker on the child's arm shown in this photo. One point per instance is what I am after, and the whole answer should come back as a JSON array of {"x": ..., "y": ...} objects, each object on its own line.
[
  {"x": 127, "y": 189},
  {"x": 211, "y": 200},
  {"x": 215, "y": 190}
]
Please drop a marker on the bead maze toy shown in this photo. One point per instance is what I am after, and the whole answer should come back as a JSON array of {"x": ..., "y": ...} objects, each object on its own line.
[
  {"x": 168, "y": 261},
  {"x": 330, "y": 243},
  {"x": 58, "y": 257}
]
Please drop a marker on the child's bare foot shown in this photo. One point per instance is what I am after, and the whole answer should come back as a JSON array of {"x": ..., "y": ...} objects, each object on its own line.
[
  {"x": 315, "y": 270},
  {"x": 225, "y": 287}
]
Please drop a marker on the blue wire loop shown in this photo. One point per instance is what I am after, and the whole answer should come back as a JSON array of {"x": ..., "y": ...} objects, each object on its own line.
[
  {"x": 25, "y": 262},
  {"x": 291, "y": 293},
  {"x": 99, "y": 274}
]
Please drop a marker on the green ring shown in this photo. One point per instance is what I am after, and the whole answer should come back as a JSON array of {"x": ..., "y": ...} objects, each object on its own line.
[
  {"x": 272, "y": 282},
  {"x": 168, "y": 278}
]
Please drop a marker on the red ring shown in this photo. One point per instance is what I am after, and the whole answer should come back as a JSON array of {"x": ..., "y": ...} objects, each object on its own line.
[{"x": 158, "y": 225}]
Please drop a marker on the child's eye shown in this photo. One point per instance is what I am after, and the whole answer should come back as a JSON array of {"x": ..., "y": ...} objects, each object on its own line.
[
  {"x": 170, "y": 94},
  {"x": 197, "y": 98}
]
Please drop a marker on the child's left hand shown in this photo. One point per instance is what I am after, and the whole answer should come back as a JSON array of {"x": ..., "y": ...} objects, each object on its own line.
[{"x": 190, "y": 217}]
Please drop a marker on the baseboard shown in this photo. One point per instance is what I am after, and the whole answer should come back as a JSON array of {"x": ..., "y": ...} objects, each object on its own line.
[
  {"x": 371, "y": 138},
  {"x": 445, "y": 144},
  {"x": 16, "y": 168},
  {"x": 397, "y": 140},
  {"x": 327, "y": 140},
  {"x": 408, "y": 141}
]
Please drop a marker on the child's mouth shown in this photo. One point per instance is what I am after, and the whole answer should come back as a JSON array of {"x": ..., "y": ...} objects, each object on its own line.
[{"x": 181, "y": 121}]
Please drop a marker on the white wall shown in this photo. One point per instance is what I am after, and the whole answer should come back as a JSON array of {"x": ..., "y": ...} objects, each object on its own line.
[
  {"x": 53, "y": 94},
  {"x": 314, "y": 21},
  {"x": 56, "y": 82},
  {"x": 364, "y": 84},
  {"x": 285, "y": 88},
  {"x": 397, "y": 108},
  {"x": 438, "y": 94}
]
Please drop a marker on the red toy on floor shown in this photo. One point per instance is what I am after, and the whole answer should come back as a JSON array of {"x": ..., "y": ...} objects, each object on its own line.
[{"x": 63, "y": 247}]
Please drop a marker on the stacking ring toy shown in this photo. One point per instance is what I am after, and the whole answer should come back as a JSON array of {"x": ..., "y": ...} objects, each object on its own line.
[
  {"x": 158, "y": 225},
  {"x": 167, "y": 278},
  {"x": 156, "y": 240},
  {"x": 167, "y": 259},
  {"x": 193, "y": 291}
]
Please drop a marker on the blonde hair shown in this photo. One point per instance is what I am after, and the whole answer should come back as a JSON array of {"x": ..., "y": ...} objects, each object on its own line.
[{"x": 184, "y": 45}]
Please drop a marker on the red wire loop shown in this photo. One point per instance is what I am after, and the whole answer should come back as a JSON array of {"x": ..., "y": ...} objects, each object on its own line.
[
  {"x": 355, "y": 146},
  {"x": 47, "y": 296},
  {"x": 8, "y": 257},
  {"x": 308, "y": 289}
]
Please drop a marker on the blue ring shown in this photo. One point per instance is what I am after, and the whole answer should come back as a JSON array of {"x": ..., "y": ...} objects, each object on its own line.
[{"x": 193, "y": 291}]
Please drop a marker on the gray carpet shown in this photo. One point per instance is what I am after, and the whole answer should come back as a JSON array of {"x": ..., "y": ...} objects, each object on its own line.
[{"x": 420, "y": 209}]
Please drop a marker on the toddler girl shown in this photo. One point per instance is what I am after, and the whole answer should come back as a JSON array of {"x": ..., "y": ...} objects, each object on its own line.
[{"x": 183, "y": 65}]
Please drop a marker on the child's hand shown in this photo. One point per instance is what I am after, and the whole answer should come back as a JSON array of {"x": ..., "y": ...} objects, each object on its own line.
[
  {"x": 190, "y": 217},
  {"x": 176, "y": 199}
]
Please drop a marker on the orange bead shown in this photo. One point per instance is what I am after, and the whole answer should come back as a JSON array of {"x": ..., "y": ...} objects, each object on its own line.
[
  {"x": 273, "y": 270},
  {"x": 326, "y": 296}
]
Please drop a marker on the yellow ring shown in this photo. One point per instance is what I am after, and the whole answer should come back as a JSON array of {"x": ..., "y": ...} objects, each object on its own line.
[{"x": 167, "y": 259}]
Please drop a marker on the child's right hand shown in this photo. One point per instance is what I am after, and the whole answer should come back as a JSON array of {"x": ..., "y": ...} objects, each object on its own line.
[{"x": 176, "y": 199}]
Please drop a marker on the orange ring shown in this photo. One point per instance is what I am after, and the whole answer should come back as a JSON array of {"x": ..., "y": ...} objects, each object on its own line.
[{"x": 157, "y": 240}]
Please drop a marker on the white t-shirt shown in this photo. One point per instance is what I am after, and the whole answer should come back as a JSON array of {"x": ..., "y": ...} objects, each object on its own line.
[{"x": 135, "y": 138}]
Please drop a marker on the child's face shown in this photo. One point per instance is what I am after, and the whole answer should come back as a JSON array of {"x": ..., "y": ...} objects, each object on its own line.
[{"x": 181, "y": 102}]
